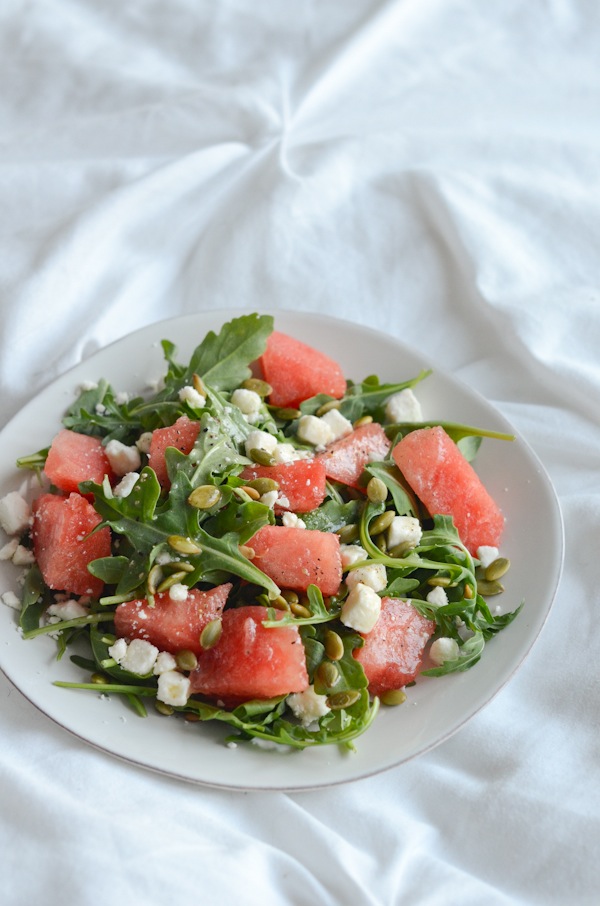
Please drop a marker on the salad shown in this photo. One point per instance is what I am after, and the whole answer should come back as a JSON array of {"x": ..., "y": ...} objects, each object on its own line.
[{"x": 258, "y": 542}]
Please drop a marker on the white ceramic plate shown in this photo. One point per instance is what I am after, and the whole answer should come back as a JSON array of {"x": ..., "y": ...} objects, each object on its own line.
[{"x": 435, "y": 709}]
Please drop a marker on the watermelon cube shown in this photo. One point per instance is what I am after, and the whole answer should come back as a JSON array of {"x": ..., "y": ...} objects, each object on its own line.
[
  {"x": 171, "y": 625},
  {"x": 74, "y": 457},
  {"x": 345, "y": 459},
  {"x": 297, "y": 557},
  {"x": 182, "y": 435},
  {"x": 61, "y": 545},
  {"x": 297, "y": 371},
  {"x": 447, "y": 484},
  {"x": 393, "y": 651},
  {"x": 301, "y": 483},
  {"x": 251, "y": 661}
]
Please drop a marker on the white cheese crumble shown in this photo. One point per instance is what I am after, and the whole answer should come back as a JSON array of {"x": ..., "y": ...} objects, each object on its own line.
[
  {"x": 443, "y": 649},
  {"x": 192, "y": 397},
  {"x": 139, "y": 658},
  {"x": 247, "y": 401},
  {"x": 87, "y": 385},
  {"x": 337, "y": 423},
  {"x": 173, "y": 688},
  {"x": 292, "y": 520},
  {"x": 11, "y": 600},
  {"x": 178, "y": 592},
  {"x": 7, "y": 552},
  {"x": 308, "y": 706},
  {"x": 118, "y": 651},
  {"x": 269, "y": 498},
  {"x": 126, "y": 485},
  {"x": 404, "y": 529},
  {"x": 164, "y": 662},
  {"x": 373, "y": 574},
  {"x": 66, "y": 610},
  {"x": 122, "y": 459},
  {"x": 313, "y": 430},
  {"x": 361, "y": 608},
  {"x": 351, "y": 554},
  {"x": 486, "y": 554},
  {"x": 23, "y": 556},
  {"x": 284, "y": 453},
  {"x": 15, "y": 513},
  {"x": 260, "y": 440},
  {"x": 403, "y": 407},
  {"x": 437, "y": 596}
]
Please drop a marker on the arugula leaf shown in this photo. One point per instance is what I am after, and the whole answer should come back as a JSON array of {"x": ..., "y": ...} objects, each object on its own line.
[
  {"x": 405, "y": 502},
  {"x": 331, "y": 515},
  {"x": 222, "y": 360},
  {"x": 470, "y": 653}
]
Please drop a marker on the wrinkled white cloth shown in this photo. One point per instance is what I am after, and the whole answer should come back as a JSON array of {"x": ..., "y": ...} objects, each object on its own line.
[{"x": 425, "y": 167}]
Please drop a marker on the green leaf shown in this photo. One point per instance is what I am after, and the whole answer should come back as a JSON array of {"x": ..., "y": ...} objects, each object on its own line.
[
  {"x": 35, "y": 599},
  {"x": 470, "y": 653},
  {"x": 222, "y": 360},
  {"x": 405, "y": 502},
  {"x": 331, "y": 515}
]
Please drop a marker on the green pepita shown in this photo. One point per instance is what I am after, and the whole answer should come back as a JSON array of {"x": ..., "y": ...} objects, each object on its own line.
[
  {"x": 164, "y": 709},
  {"x": 263, "y": 485},
  {"x": 211, "y": 634},
  {"x": 400, "y": 550},
  {"x": 439, "y": 581},
  {"x": 183, "y": 545},
  {"x": 257, "y": 386},
  {"x": 363, "y": 420},
  {"x": 204, "y": 497},
  {"x": 381, "y": 523},
  {"x": 497, "y": 569},
  {"x": 393, "y": 697},
  {"x": 186, "y": 659},
  {"x": 154, "y": 578},
  {"x": 487, "y": 588},
  {"x": 299, "y": 610},
  {"x": 343, "y": 699},
  {"x": 171, "y": 580},
  {"x": 280, "y": 603},
  {"x": 334, "y": 646},
  {"x": 286, "y": 414},
  {"x": 327, "y": 407},
  {"x": 468, "y": 593},
  {"x": 348, "y": 533},
  {"x": 290, "y": 596},
  {"x": 248, "y": 552},
  {"x": 261, "y": 457},
  {"x": 99, "y": 679},
  {"x": 377, "y": 490},
  {"x": 328, "y": 674}
]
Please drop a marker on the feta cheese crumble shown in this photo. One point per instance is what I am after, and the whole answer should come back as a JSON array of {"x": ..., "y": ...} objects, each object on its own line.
[
  {"x": 15, "y": 513},
  {"x": 139, "y": 657},
  {"x": 308, "y": 706},
  {"x": 443, "y": 649},
  {"x": 126, "y": 485},
  {"x": 164, "y": 662},
  {"x": 143, "y": 442},
  {"x": 122, "y": 459},
  {"x": 404, "y": 529},
  {"x": 192, "y": 397},
  {"x": 351, "y": 554},
  {"x": 247, "y": 401},
  {"x": 486, "y": 554},
  {"x": 337, "y": 423},
  {"x": 178, "y": 592},
  {"x": 403, "y": 407},
  {"x": 361, "y": 608},
  {"x": 373, "y": 574},
  {"x": 292, "y": 520},
  {"x": 313, "y": 430},
  {"x": 260, "y": 440},
  {"x": 173, "y": 688},
  {"x": 437, "y": 596}
]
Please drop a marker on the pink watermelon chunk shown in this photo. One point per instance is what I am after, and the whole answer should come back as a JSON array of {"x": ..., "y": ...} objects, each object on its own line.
[
  {"x": 301, "y": 483},
  {"x": 296, "y": 371},
  {"x": 393, "y": 651},
  {"x": 171, "y": 625},
  {"x": 250, "y": 661},
  {"x": 447, "y": 484},
  {"x": 76, "y": 457},
  {"x": 60, "y": 545},
  {"x": 181, "y": 435},
  {"x": 296, "y": 557},
  {"x": 345, "y": 459}
]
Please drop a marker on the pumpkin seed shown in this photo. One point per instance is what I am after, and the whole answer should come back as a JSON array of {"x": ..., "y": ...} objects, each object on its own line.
[
  {"x": 290, "y": 596},
  {"x": 204, "y": 497},
  {"x": 211, "y": 634},
  {"x": 377, "y": 490},
  {"x": 400, "y": 550},
  {"x": 183, "y": 545},
  {"x": 393, "y": 697},
  {"x": 334, "y": 646},
  {"x": 497, "y": 569},
  {"x": 468, "y": 592},
  {"x": 192, "y": 718},
  {"x": 348, "y": 533},
  {"x": 439, "y": 581},
  {"x": 248, "y": 552},
  {"x": 286, "y": 414},
  {"x": 154, "y": 578},
  {"x": 198, "y": 384},
  {"x": 381, "y": 523},
  {"x": 299, "y": 610},
  {"x": 252, "y": 493},
  {"x": 328, "y": 674},
  {"x": 487, "y": 588},
  {"x": 99, "y": 679},
  {"x": 171, "y": 580},
  {"x": 363, "y": 420},
  {"x": 164, "y": 709},
  {"x": 179, "y": 566},
  {"x": 263, "y": 485},
  {"x": 261, "y": 457},
  {"x": 381, "y": 542},
  {"x": 279, "y": 603},
  {"x": 186, "y": 659},
  {"x": 261, "y": 387},
  {"x": 343, "y": 699},
  {"x": 327, "y": 407}
]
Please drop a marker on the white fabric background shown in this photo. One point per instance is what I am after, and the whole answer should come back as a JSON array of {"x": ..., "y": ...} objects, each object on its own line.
[{"x": 428, "y": 167}]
